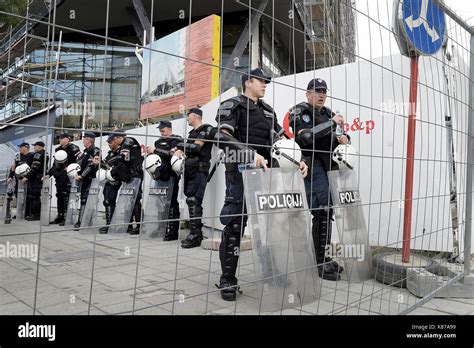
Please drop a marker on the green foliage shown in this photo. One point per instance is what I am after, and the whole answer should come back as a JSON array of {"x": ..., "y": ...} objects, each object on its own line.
[{"x": 17, "y": 7}]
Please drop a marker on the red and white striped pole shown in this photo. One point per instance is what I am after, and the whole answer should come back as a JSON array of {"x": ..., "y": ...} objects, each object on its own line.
[{"x": 410, "y": 159}]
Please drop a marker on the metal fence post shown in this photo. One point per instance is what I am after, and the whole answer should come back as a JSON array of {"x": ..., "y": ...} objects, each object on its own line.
[{"x": 470, "y": 160}]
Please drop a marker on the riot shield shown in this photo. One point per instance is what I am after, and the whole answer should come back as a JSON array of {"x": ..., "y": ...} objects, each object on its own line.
[
  {"x": 46, "y": 202},
  {"x": 354, "y": 245},
  {"x": 7, "y": 203},
  {"x": 157, "y": 208},
  {"x": 74, "y": 203},
  {"x": 21, "y": 200},
  {"x": 283, "y": 251},
  {"x": 90, "y": 210},
  {"x": 124, "y": 206}
]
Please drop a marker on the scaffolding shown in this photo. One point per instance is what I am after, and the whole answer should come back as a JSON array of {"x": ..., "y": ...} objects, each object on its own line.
[{"x": 330, "y": 32}]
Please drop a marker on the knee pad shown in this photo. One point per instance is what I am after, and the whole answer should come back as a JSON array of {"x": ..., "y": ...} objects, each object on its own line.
[
  {"x": 108, "y": 203},
  {"x": 192, "y": 201},
  {"x": 234, "y": 230},
  {"x": 322, "y": 213}
]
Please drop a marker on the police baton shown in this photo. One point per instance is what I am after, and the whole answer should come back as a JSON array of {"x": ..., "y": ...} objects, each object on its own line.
[{"x": 214, "y": 167}]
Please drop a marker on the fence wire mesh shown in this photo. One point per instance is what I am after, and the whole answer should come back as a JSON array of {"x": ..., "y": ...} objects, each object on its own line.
[{"x": 107, "y": 67}]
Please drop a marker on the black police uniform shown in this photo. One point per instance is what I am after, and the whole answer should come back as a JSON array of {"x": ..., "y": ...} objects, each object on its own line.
[
  {"x": 126, "y": 162},
  {"x": 19, "y": 160},
  {"x": 87, "y": 173},
  {"x": 196, "y": 170},
  {"x": 163, "y": 147},
  {"x": 317, "y": 142},
  {"x": 131, "y": 152},
  {"x": 63, "y": 184},
  {"x": 34, "y": 184},
  {"x": 253, "y": 124},
  {"x": 111, "y": 188}
]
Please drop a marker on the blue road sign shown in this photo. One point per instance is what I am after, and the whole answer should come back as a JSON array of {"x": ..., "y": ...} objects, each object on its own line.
[{"x": 424, "y": 24}]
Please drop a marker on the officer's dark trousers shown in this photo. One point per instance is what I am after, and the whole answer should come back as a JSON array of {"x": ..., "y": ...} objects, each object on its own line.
[
  {"x": 85, "y": 187},
  {"x": 319, "y": 200},
  {"x": 174, "y": 206},
  {"x": 110, "y": 194},
  {"x": 110, "y": 199},
  {"x": 34, "y": 196},
  {"x": 194, "y": 189},
  {"x": 137, "y": 208},
  {"x": 63, "y": 187},
  {"x": 233, "y": 216}
]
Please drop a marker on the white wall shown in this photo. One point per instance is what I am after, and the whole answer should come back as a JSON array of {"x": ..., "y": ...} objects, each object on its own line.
[
  {"x": 365, "y": 90},
  {"x": 374, "y": 91}
]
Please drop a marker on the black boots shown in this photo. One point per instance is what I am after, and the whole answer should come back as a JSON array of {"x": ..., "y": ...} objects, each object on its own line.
[
  {"x": 137, "y": 216},
  {"x": 172, "y": 227},
  {"x": 327, "y": 268},
  {"x": 58, "y": 220},
  {"x": 172, "y": 231},
  {"x": 8, "y": 209},
  {"x": 229, "y": 252},
  {"x": 109, "y": 212},
  {"x": 194, "y": 238},
  {"x": 62, "y": 208},
  {"x": 77, "y": 225},
  {"x": 35, "y": 209}
]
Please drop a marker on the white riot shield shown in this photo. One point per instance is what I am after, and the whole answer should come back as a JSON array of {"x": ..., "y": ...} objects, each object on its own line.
[
  {"x": 124, "y": 206},
  {"x": 21, "y": 200},
  {"x": 7, "y": 202},
  {"x": 157, "y": 208},
  {"x": 280, "y": 227},
  {"x": 74, "y": 203},
  {"x": 354, "y": 245},
  {"x": 46, "y": 202},
  {"x": 90, "y": 210}
]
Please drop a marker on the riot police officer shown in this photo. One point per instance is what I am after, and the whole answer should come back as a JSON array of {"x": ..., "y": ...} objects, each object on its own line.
[
  {"x": 112, "y": 185},
  {"x": 34, "y": 181},
  {"x": 196, "y": 168},
  {"x": 24, "y": 156},
  {"x": 88, "y": 170},
  {"x": 316, "y": 129},
  {"x": 58, "y": 170},
  {"x": 125, "y": 161},
  {"x": 242, "y": 122},
  {"x": 164, "y": 147}
]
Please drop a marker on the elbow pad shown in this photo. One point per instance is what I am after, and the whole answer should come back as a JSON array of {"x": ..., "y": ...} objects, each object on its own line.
[
  {"x": 189, "y": 149},
  {"x": 308, "y": 136},
  {"x": 305, "y": 139}
]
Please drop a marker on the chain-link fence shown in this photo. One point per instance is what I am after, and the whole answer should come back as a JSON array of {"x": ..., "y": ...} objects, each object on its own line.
[{"x": 365, "y": 207}]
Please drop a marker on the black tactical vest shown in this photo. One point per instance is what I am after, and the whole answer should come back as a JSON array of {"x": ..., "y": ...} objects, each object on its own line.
[{"x": 255, "y": 122}]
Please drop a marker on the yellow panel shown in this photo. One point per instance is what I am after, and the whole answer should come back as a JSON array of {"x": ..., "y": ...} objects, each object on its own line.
[{"x": 216, "y": 56}]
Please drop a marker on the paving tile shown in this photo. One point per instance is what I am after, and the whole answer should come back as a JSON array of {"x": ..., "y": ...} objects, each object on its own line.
[
  {"x": 162, "y": 290},
  {"x": 15, "y": 308},
  {"x": 449, "y": 306}
]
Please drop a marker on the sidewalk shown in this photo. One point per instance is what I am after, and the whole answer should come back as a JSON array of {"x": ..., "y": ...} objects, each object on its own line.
[{"x": 162, "y": 279}]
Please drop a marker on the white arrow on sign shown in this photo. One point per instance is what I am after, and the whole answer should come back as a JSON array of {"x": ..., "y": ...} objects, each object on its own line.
[{"x": 421, "y": 20}]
